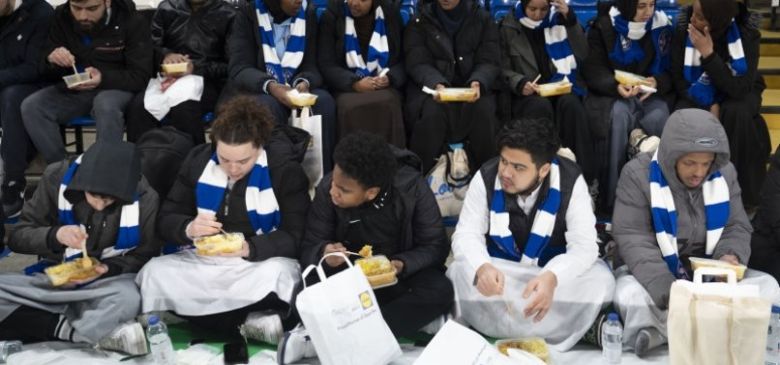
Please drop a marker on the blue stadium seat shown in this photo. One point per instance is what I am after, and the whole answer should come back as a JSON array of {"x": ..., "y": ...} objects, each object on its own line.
[
  {"x": 408, "y": 9},
  {"x": 77, "y": 124},
  {"x": 320, "y": 6},
  {"x": 500, "y": 8}
]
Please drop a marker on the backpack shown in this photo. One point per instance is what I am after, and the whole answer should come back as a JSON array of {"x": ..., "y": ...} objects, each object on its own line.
[{"x": 162, "y": 152}]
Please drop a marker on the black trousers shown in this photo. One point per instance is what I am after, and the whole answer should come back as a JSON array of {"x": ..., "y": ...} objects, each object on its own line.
[
  {"x": 29, "y": 324},
  {"x": 765, "y": 254},
  {"x": 443, "y": 123},
  {"x": 227, "y": 323},
  {"x": 415, "y": 301},
  {"x": 571, "y": 122},
  {"x": 186, "y": 117},
  {"x": 17, "y": 149}
]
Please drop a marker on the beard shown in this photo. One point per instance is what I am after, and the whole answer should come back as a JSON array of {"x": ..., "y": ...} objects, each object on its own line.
[{"x": 86, "y": 26}]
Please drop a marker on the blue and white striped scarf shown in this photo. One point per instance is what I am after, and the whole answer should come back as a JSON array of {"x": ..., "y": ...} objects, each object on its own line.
[
  {"x": 627, "y": 49},
  {"x": 541, "y": 230},
  {"x": 285, "y": 69},
  {"x": 378, "y": 50},
  {"x": 715, "y": 192},
  {"x": 556, "y": 40},
  {"x": 261, "y": 204},
  {"x": 701, "y": 89}
]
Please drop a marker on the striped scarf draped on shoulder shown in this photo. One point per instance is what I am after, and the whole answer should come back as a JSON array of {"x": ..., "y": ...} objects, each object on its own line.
[
  {"x": 715, "y": 192},
  {"x": 262, "y": 207},
  {"x": 701, "y": 90},
  {"x": 544, "y": 222},
  {"x": 282, "y": 70},
  {"x": 627, "y": 49},
  {"x": 378, "y": 49},
  {"x": 556, "y": 39}
]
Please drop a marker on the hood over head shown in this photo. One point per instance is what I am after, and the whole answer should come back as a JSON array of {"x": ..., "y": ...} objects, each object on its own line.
[
  {"x": 112, "y": 169},
  {"x": 691, "y": 130}
]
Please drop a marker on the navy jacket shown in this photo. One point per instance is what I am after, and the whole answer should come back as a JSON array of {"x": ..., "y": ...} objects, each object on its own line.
[{"x": 21, "y": 40}]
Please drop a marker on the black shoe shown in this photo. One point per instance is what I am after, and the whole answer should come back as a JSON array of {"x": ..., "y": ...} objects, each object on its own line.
[{"x": 12, "y": 199}]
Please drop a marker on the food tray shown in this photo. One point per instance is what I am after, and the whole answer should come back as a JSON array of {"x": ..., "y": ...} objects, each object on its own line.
[
  {"x": 378, "y": 270},
  {"x": 219, "y": 243},
  {"x": 175, "y": 68},
  {"x": 629, "y": 79},
  {"x": 300, "y": 99},
  {"x": 76, "y": 79},
  {"x": 555, "y": 89},
  {"x": 533, "y": 345},
  {"x": 456, "y": 94},
  {"x": 72, "y": 271},
  {"x": 698, "y": 262}
]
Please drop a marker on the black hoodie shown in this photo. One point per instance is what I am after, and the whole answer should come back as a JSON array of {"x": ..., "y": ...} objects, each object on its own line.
[
  {"x": 121, "y": 49},
  {"x": 107, "y": 168}
]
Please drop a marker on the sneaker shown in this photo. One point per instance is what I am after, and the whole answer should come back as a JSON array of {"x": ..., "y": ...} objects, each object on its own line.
[
  {"x": 646, "y": 340},
  {"x": 435, "y": 325},
  {"x": 262, "y": 326},
  {"x": 295, "y": 346},
  {"x": 128, "y": 338},
  {"x": 459, "y": 166},
  {"x": 593, "y": 334},
  {"x": 12, "y": 199}
]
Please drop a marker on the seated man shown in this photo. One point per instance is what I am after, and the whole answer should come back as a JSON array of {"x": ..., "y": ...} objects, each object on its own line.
[
  {"x": 273, "y": 48},
  {"x": 236, "y": 183},
  {"x": 23, "y": 29},
  {"x": 525, "y": 245},
  {"x": 376, "y": 195},
  {"x": 98, "y": 204},
  {"x": 109, "y": 41},
  {"x": 192, "y": 32},
  {"x": 689, "y": 187}
]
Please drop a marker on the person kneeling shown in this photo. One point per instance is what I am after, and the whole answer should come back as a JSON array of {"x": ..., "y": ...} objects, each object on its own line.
[
  {"x": 238, "y": 183},
  {"x": 525, "y": 245},
  {"x": 376, "y": 195},
  {"x": 98, "y": 204},
  {"x": 681, "y": 202}
]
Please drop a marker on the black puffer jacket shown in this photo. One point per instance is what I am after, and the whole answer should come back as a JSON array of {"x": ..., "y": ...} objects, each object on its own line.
[
  {"x": 290, "y": 186},
  {"x": 201, "y": 34},
  {"x": 121, "y": 49},
  {"x": 247, "y": 64},
  {"x": 332, "y": 58},
  {"x": 21, "y": 41},
  {"x": 433, "y": 58},
  {"x": 423, "y": 242}
]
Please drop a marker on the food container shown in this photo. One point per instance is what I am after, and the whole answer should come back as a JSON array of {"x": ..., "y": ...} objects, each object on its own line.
[
  {"x": 219, "y": 243},
  {"x": 629, "y": 79},
  {"x": 533, "y": 345},
  {"x": 300, "y": 99},
  {"x": 555, "y": 88},
  {"x": 175, "y": 68},
  {"x": 379, "y": 271},
  {"x": 698, "y": 262},
  {"x": 76, "y": 79},
  {"x": 457, "y": 94},
  {"x": 72, "y": 271}
]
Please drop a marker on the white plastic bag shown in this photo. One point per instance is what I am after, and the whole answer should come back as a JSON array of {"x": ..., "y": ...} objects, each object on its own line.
[
  {"x": 343, "y": 319},
  {"x": 312, "y": 161},
  {"x": 458, "y": 345},
  {"x": 158, "y": 103}
]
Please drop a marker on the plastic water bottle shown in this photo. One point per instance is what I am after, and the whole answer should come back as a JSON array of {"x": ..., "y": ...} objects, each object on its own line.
[
  {"x": 773, "y": 338},
  {"x": 160, "y": 344},
  {"x": 612, "y": 339}
]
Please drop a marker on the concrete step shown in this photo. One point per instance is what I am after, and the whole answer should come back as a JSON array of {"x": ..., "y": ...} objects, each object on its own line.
[
  {"x": 772, "y": 81},
  {"x": 771, "y": 102},
  {"x": 768, "y": 36},
  {"x": 769, "y": 65},
  {"x": 770, "y": 50}
]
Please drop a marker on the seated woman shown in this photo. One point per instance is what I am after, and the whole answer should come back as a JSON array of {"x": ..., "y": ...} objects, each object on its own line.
[
  {"x": 361, "y": 59},
  {"x": 452, "y": 43},
  {"x": 97, "y": 204},
  {"x": 627, "y": 35},
  {"x": 715, "y": 67},
  {"x": 544, "y": 43},
  {"x": 192, "y": 32},
  {"x": 234, "y": 184}
]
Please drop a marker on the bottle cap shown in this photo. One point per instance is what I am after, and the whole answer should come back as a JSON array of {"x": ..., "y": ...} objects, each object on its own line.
[
  {"x": 153, "y": 320},
  {"x": 776, "y": 309},
  {"x": 613, "y": 317}
]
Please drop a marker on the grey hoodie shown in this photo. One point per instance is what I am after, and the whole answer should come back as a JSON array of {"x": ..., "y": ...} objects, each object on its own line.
[{"x": 686, "y": 131}]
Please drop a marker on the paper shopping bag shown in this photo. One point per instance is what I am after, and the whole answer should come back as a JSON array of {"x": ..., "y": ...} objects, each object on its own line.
[
  {"x": 716, "y": 323},
  {"x": 343, "y": 319}
]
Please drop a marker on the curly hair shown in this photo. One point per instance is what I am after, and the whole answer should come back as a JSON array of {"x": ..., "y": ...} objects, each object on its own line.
[
  {"x": 241, "y": 120},
  {"x": 537, "y": 136},
  {"x": 366, "y": 158}
]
